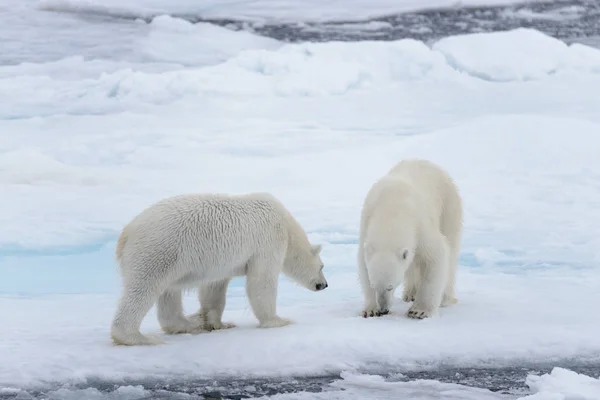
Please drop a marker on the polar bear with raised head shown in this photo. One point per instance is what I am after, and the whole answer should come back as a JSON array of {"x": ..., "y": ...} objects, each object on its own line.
[
  {"x": 410, "y": 230},
  {"x": 202, "y": 241}
]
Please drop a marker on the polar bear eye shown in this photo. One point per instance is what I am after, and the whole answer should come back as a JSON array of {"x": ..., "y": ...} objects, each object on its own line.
[{"x": 402, "y": 254}]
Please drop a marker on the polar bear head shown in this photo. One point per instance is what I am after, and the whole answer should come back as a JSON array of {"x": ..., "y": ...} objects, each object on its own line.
[
  {"x": 386, "y": 265},
  {"x": 303, "y": 264}
]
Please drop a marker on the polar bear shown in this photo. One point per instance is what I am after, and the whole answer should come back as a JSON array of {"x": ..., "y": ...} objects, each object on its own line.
[
  {"x": 411, "y": 227},
  {"x": 202, "y": 241}
]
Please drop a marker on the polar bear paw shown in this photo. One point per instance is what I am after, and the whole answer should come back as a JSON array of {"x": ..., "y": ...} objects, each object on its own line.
[
  {"x": 135, "y": 339},
  {"x": 417, "y": 312},
  {"x": 276, "y": 322},
  {"x": 374, "y": 312},
  {"x": 408, "y": 297},
  {"x": 448, "y": 301},
  {"x": 215, "y": 326},
  {"x": 209, "y": 321},
  {"x": 181, "y": 326}
]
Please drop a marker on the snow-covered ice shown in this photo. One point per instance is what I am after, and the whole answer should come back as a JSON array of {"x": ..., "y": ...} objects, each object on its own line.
[
  {"x": 559, "y": 384},
  {"x": 86, "y": 144}
]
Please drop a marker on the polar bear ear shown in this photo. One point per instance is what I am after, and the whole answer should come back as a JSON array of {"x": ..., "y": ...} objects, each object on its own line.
[{"x": 315, "y": 249}]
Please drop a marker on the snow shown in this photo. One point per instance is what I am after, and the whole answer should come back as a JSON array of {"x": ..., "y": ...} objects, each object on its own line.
[
  {"x": 557, "y": 14},
  {"x": 359, "y": 386},
  {"x": 560, "y": 384},
  {"x": 564, "y": 385},
  {"x": 262, "y": 10},
  {"x": 166, "y": 30},
  {"x": 87, "y": 144},
  {"x": 503, "y": 318},
  {"x": 493, "y": 56}
]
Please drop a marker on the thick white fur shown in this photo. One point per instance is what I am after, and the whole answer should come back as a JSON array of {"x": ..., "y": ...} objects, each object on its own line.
[
  {"x": 202, "y": 241},
  {"x": 411, "y": 227}
]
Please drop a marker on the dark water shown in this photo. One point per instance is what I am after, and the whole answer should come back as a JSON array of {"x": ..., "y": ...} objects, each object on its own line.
[
  {"x": 506, "y": 380},
  {"x": 568, "y": 20},
  {"x": 561, "y": 19},
  {"x": 96, "y": 34}
]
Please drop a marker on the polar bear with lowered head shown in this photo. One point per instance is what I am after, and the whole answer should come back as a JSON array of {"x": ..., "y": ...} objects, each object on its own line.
[
  {"x": 410, "y": 230},
  {"x": 202, "y": 241}
]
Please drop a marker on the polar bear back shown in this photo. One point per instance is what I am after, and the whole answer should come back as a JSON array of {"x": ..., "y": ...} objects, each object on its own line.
[
  {"x": 213, "y": 232},
  {"x": 434, "y": 191}
]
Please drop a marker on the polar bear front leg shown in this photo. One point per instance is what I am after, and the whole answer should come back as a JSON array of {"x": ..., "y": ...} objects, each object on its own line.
[
  {"x": 385, "y": 300},
  {"x": 261, "y": 287},
  {"x": 170, "y": 314},
  {"x": 433, "y": 275},
  {"x": 212, "y": 297},
  {"x": 370, "y": 307},
  {"x": 411, "y": 282}
]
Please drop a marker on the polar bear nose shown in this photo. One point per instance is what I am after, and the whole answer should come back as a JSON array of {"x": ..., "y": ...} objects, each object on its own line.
[{"x": 321, "y": 286}]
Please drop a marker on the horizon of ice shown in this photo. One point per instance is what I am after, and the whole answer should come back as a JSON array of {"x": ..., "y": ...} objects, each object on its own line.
[
  {"x": 94, "y": 141},
  {"x": 262, "y": 10}
]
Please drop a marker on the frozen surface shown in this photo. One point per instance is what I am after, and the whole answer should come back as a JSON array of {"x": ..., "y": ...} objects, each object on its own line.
[
  {"x": 129, "y": 31},
  {"x": 85, "y": 145},
  {"x": 494, "y": 57},
  {"x": 281, "y": 10},
  {"x": 119, "y": 140},
  {"x": 564, "y": 385},
  {"x": 560, "y": 384}
]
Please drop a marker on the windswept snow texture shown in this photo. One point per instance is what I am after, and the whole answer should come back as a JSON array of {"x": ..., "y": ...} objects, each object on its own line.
[{"x": 87, "y": 144}]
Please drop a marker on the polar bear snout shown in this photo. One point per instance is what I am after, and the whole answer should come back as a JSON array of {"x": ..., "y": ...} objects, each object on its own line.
[{"x": 321, "y": 286}]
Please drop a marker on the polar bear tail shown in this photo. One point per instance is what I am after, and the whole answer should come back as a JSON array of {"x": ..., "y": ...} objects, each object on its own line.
[{"x": 121, "y": 242}]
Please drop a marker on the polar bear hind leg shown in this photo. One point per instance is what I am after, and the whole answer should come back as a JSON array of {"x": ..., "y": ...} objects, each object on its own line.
[
  {"x": 135, "y": 302},
  {"x": 212, "y": 297}
]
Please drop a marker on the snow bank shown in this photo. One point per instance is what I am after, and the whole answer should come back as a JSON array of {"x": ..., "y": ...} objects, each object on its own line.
[
  {"x": 176, "y": 40},
  {"x": 562, "y": 384},
  {"x": 282, "y": 10},
  {"x": 30, "y": 167},
  {"x": 361, "y": 386},
  {"x": 374, "y": 387},
  {"x": 77, "y": 68},
  {"x": 520, "y": 54},
  {"x": 257, "y": 67}
]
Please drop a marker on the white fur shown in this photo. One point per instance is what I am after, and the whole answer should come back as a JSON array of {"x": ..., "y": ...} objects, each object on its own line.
[
  {"x": 410, "y": 229},
  {"x": 202, "y": 241}
]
